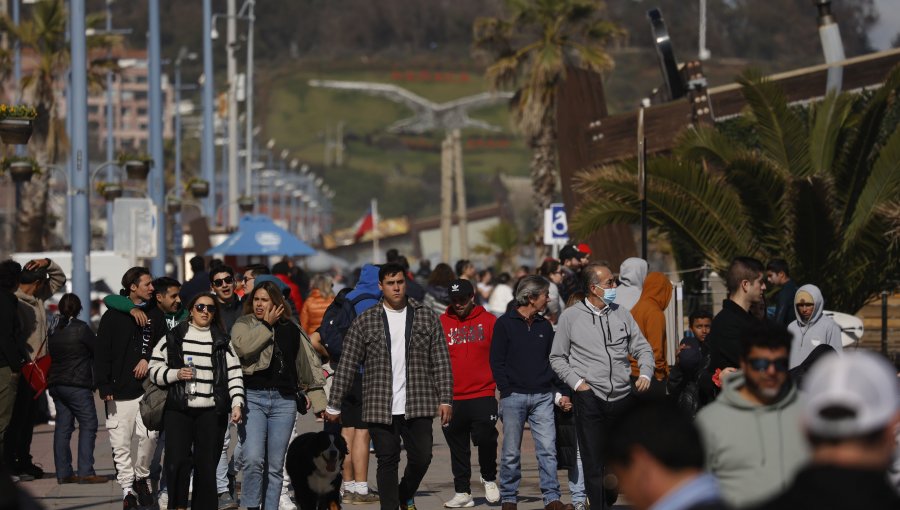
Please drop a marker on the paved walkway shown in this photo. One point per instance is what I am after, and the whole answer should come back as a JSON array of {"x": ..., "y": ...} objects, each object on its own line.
[{"x": 436, "y": 488}]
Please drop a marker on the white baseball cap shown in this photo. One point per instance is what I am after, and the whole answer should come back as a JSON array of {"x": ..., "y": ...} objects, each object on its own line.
[{"x": 862, "y": 384}]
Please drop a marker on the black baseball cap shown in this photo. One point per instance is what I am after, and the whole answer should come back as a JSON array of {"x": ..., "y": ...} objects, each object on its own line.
[
  {"x": 461, "y": 288},
  {"x": 569, "y": 251}
]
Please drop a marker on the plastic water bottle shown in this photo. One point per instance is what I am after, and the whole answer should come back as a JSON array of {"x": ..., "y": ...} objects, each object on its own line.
[{"x": 192, "y": 385}]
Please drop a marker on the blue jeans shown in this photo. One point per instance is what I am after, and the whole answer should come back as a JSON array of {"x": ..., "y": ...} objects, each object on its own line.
[
  {"x": 576, "y": 480},
  {"x": 73, "y": 403},
  {"x": 537, "y": 408},
  {"x": 266, "y": 431}
]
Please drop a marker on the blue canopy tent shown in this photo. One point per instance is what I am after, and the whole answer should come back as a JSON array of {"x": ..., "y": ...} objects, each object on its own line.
[{"x": 257, "y": 235}]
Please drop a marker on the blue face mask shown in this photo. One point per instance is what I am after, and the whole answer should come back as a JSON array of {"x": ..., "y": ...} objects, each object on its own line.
[{"x": 609, "y": 295}]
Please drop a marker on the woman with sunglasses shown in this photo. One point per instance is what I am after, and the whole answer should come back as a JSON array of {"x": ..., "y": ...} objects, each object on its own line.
[
  {"x": 277, "y": 359},
  {"x": 194, "y": 361}
]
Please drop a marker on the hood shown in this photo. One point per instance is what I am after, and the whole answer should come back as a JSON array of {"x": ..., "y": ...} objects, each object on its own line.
[
  {"x": 367, "y": 284},
  {"x": 441, "y": 294},
  {"x": 818, "y": 307},
  {"x": 472, "y": 317},
  {"x": 633, "y": 272},
  {"x": 657, "y": 290},
  {"x": 28, "y": 298},
  {"x": 731, "y": 396}
]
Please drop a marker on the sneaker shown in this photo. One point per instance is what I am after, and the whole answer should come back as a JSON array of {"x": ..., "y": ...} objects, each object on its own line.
[
  {"x": 409, "y": 505},
  {"x": 93, "y": 479},
  {"x": 226, "y": 502},
  {"x": 348, "y": 497},
  {"x": 163, "y": 498},
  {"x": 23, "y": 477},
  {"x": 363, "y": 499},
  {"x": 32, "y": 470},
  {"x": 141, "y": 488},
  {"x": 581, "y": 505},
  {"x": 129, "y": 502},
  {"x": 491, "y": 491},
  {"x": 558, "y": 505},
  {"x": 68, "y": 479},
  {"x": 285, "y": 503},
  {"x": 460, "y": 500}
]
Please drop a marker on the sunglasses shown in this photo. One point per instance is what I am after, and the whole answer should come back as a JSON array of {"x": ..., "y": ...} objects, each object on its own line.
[
  {"x": 762, "y": 364},
  {"x": 218, "y": 282},
  {"x": 203, "y": 307}
]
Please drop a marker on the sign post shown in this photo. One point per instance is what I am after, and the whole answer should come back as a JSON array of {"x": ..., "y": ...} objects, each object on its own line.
[{"x": 556, "y": 227}]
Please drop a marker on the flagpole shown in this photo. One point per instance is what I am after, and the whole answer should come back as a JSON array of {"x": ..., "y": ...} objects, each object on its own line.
[{"x": 375, "y": 249}]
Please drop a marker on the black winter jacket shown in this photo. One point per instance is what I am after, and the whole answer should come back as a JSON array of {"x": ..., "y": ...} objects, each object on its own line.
[
  {"x": 11, "y": 353},
  {"x": 820, "y": 486},
  {"x": 724, "y": 338},
  {"x": 72, "y": 353},
  {"x": 177, "y": 398},
  {"x": 121, "y": 344}
]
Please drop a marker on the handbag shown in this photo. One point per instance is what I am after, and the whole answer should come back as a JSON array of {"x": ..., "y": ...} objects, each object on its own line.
[
  {"x": 280, "y": 366},
  {"x": 35, "y": 372}
]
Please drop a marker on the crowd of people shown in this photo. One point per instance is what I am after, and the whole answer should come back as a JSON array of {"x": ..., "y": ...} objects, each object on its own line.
[{"x": 760, "y": 409}]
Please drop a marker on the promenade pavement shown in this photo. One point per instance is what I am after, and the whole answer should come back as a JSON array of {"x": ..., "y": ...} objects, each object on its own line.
[{"x": 436, "y": 488}]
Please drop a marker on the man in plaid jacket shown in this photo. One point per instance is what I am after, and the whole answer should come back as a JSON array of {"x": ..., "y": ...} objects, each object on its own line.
[{"x": 407, "y": 381}]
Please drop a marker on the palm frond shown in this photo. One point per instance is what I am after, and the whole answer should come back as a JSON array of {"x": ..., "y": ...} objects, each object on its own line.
[
  {"x": 782, "y": 133},
  {"x": 829, "y": 118},
  {"x": 882, "y": 187}
]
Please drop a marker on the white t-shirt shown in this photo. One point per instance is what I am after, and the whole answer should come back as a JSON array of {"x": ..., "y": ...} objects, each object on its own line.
[{"x": 397, "y": 327}]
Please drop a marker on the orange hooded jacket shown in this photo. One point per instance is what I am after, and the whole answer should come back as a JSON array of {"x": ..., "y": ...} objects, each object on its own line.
[{"x": 649, "y": 313}]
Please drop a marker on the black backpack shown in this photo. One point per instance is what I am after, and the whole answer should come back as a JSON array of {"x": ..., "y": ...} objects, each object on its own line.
[{"x": 336, "y": 321}]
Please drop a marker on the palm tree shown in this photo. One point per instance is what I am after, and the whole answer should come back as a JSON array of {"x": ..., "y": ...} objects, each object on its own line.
[
  {"x": 530, "y": 50},
  {"x": 502, "y": 241},
  {"x": 816, "y": 186},
  {"x": 45, "y": 35}
]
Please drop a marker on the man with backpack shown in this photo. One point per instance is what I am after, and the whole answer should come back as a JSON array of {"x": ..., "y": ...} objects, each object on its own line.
[{"x": 347, "y": 305}]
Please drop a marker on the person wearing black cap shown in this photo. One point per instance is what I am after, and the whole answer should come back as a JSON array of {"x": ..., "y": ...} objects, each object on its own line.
[
  {"x": 468, "y": 329},
  {"x": 40, "y": 279},
  {"x": 571, "y": 263}
]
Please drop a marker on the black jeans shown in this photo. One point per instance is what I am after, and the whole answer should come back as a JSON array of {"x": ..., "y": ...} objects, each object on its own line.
[
  {"x": 417, "y": 439},
  {"x": 194, "y": 439},
  {"x": 593, "y": 418},
  {"x": 17, "y": 449},
  {"x": 476, "y": 419}
]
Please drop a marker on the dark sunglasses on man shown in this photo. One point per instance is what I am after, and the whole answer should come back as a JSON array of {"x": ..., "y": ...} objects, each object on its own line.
[
  {"x": 762, "y": 364},
  {"x": 218, "y": 282}
]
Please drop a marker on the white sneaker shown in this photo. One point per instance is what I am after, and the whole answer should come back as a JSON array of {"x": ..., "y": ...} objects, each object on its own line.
[
  {"x": 286, "y": 503},
  {"x": 460, "y": 500},
  {"x": 491, "y": 491},
  {"x": 163, "y": 498}
]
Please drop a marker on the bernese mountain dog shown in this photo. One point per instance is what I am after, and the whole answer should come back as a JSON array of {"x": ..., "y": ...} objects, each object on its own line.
[{"x": 314, "y": 463}]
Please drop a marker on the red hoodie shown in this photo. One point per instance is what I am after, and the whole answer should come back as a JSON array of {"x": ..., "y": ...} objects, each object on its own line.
[
  {"x": 469, "y": 343},
  {"x": 296, "y": 297}
]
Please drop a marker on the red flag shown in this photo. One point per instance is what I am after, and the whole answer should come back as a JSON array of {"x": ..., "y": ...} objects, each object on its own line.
[{"x": 365, "y": 224}]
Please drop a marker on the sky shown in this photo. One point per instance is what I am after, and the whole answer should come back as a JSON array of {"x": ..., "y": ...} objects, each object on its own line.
[{"x": 888, "y": 24}]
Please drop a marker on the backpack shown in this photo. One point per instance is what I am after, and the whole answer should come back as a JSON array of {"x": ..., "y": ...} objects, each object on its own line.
[
  {"x": 336, "y": 321},
  {"x": 153, "y": 404}
]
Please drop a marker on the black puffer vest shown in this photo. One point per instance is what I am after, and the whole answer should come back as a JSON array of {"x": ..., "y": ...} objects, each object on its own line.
[{"x": 177, "y": 398}]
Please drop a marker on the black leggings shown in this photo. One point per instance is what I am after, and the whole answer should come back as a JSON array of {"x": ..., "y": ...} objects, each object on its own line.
[{"x": 194, "y": 439}]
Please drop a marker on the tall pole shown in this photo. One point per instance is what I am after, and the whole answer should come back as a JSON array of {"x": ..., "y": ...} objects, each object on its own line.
[
  {"x": 249, "y": 88},
  {"x": 157, "y": 181},
  {"x": 462, "y": 215},
  {"x": 642, "y": 181},
  {"x": 231, "y": 42},
  {"x": 446, "y": 195},
  {"x": 375, "y": 249},
  {"x": 80, "y": 178},
  {"x": 207, "y": 149},
  {"x": 109, "y": 131},
  {"x": 176, "y": 223}
]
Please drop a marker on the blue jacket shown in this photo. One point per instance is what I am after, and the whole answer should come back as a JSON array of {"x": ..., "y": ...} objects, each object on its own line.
[{"x": 520, "y": 355}]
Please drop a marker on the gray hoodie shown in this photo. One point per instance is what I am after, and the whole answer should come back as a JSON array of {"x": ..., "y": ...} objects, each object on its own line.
[
  {"x": 753, "y": 450},
  {"x": 820, "y": 329},
  {"x": 596, "y": 347},
  {"x": 632, "y": 273}
]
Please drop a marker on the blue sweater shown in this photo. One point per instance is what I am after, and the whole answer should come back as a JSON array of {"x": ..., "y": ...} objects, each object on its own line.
[{"x": 520, "y": 355}]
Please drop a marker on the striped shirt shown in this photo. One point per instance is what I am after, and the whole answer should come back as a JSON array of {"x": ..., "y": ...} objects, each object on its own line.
[{"x": 198, "y": 344}]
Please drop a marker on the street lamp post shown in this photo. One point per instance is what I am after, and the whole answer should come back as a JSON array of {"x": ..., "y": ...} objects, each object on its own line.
[
  {"x": 81, "y": 224},
  {"x": 207, "y": 152},
  {"x": 157, "y": 184}
]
